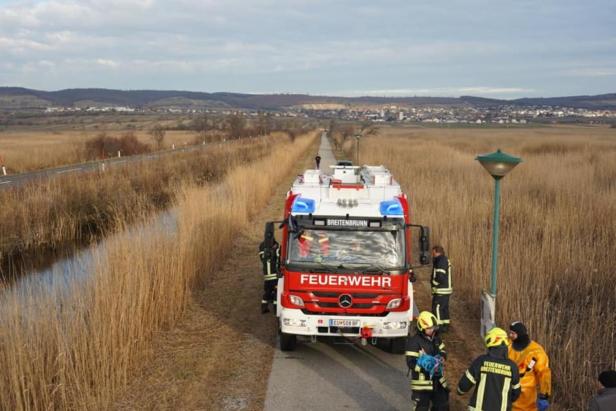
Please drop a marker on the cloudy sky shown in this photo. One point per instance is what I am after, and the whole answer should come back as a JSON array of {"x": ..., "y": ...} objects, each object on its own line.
[{"x": 494, "y": 48}]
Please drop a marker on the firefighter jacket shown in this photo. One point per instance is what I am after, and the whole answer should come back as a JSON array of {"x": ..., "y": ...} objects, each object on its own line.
[
  {"x": 270, "y": 258},
  {"x": 308, "y": 241},
  {"x": 441, "y": 276},
  {"x": 496, "y": 381},
  {"x": 534, "y": 368},
  {"x": 422, "y": 344}
]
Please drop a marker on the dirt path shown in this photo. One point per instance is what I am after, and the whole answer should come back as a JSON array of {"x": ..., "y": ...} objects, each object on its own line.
[{"x": 219, "y": 355}]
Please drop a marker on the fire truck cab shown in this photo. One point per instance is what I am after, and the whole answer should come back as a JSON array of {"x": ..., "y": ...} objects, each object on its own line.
[{"x": 347, "y": 247}]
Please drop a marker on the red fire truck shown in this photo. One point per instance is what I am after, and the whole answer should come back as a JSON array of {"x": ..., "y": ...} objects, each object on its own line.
[{"x": 347, "y": 248}]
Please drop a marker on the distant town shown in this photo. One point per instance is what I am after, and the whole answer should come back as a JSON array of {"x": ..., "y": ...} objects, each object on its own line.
[{"x": 437, "y": 114}]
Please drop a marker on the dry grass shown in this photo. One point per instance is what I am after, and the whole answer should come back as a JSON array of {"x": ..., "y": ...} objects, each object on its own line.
[
  {"x": 558, "y": 230},
  {"x": 57, "y": 212},
  {"x": 35, "y": 149},
  {"x": 77, "y": 349}
]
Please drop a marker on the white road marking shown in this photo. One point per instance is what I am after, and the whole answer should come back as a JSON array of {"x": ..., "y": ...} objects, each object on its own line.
[{"x": 5, "y": 182}]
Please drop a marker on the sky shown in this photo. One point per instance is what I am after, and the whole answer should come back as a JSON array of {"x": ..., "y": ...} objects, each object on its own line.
[{"x": 498, "y": 49}]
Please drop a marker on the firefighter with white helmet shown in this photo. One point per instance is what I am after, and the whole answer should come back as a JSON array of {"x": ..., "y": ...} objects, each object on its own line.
[
  {"x": 425, "y": 357},
  {"x": 494, "y": 376}
]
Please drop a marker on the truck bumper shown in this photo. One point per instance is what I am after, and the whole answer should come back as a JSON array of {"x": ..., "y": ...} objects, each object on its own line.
[{"x": 294, "y": 321}]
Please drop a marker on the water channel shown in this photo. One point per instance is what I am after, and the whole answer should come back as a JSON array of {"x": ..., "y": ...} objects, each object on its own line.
[{"x": 68, "y": 273}]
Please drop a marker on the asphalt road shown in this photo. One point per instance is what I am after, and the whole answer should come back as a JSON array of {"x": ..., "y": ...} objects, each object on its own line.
[
  {"x": 14, "y": 180},
  {"x": 337, "y": 376}
]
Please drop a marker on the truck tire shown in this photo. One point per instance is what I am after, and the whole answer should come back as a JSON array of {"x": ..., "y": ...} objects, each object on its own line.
[
  {"x": 287, "y": 342},
  {"x": 397, "y": 345}
]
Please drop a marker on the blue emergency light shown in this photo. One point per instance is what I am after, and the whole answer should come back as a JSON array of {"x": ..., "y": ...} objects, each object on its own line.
[
  {"x": 391, "y": 207},
  {"x": 303, "y": 205}
]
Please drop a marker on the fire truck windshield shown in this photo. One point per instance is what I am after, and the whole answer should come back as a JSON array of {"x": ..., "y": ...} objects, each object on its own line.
[{"x": 347, "y": 249}]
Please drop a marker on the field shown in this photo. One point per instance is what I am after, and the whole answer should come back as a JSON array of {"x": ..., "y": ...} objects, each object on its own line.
[
  {"x": 558, "y": 230},
  {"x": 36, "y": 149},
  {"x": 79, "y": 349}
]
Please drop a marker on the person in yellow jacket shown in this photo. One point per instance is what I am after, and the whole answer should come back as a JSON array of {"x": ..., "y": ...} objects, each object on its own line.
[{"x": 534, "y": 367}]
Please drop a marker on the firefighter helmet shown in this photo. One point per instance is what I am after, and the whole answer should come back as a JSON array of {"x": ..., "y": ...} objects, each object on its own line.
[
  {"x": 495, "y": 337},
  {"x": 426, "y": 320}
]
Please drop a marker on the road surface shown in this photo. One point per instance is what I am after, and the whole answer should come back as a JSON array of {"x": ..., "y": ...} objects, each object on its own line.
[
  {"x": 337, "y": 376},
  {"x": 13, "y": 180}
]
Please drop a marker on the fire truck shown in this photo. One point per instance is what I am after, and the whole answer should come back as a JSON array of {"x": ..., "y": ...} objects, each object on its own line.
[{"x": 347, "y": 249}]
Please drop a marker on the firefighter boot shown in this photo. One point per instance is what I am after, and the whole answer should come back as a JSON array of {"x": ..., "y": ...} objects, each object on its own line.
[{"x": 264, "y": 308}]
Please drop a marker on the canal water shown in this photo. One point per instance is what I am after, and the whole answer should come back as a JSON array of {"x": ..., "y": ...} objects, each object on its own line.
[{"x": 66, "y": 274}]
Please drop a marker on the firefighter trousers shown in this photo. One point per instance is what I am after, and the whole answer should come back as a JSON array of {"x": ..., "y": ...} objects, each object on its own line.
[
  {"x": 436, "y": 400},
  {"x": 440, "y": 309},
  {"x": 269, "y": 291}
]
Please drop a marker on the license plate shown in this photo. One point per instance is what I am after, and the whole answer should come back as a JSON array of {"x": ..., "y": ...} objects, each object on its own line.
[{"x": 343, "y": 323}]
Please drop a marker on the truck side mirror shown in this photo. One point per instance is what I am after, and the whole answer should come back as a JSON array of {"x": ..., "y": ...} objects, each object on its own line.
[
  {"x": 424, "y": 241},
  {"x": 420, "y": 244}
]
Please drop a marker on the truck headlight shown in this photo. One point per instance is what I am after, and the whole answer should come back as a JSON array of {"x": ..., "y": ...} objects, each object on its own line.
[
  {"x": 293, "y": 322},
  {"x": 395, "y": 303},
  {"x": 394, "y": 325},
  {"x": 297, "y": 300}
]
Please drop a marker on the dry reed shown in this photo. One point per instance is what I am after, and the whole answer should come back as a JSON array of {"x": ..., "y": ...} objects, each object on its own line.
[
  {"x": 558, "y": 230},
  {"x": 77, "y": 348}
]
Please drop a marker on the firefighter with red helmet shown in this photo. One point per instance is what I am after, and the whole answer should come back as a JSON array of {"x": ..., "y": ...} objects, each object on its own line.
[
  {"x": 534, "y": 368},
  {"x": 425, "y": 357},
  {"x": 494, "y": 376},
  {"x": 269, "y": 253}
]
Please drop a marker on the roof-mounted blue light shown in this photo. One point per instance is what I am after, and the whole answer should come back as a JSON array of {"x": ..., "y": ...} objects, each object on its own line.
[
  {"x": 303, "y": 205},
  {"x": 391, "y": 207}
]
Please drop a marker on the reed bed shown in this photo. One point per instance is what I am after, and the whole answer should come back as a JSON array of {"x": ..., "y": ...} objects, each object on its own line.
[
  {"x": 77, "y": 346},
  {"x": 57, "y": 212},
  {"x": 558, "y": 230}
]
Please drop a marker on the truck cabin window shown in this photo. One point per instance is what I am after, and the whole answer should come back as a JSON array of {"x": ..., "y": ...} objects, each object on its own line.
[{"x": 383, "y": 249}]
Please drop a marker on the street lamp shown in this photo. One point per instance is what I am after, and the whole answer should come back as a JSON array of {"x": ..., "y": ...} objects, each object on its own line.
[{"x": 498, "y": 164}]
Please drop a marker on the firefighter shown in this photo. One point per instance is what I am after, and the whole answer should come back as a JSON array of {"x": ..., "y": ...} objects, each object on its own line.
[
  {"x": 317, "y": 160},
  {"x": 441, "y": 286},
  {"x": 425, "y": 357},
  {"x": 495, "y": 377},
  {"x": 269, "y": 253},
  {"x": 534, "y": 367},
  {"x": 307, "y": 244}
]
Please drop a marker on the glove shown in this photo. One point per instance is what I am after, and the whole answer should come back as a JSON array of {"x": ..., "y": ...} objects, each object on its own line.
[
  {"x": 542, "y": 402},
  {"x": 412, "y": 277}
]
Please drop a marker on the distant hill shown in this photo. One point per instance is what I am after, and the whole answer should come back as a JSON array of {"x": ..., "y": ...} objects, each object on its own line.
[{"x": 23, "y": 98}]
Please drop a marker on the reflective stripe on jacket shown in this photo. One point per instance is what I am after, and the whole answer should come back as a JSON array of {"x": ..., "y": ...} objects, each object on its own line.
[
  {"x": 415, "y": 346},
  {"x": 441, "y": 276},
  {"x": 496, "y": 381}
]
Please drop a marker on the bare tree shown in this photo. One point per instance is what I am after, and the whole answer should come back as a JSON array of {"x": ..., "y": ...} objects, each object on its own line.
[
  {"x": 158, "y": 135},
  {"x": 202, "y": 125},
  {"x": 236, "y": 124},
  {"x": 264, "y": 124}
]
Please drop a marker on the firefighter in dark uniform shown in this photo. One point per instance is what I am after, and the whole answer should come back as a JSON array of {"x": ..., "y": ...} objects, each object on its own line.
[
  {"x": 495, "y": 377},
  {"x": 441, "y": 286},
  {"x": 425, "y": 355},
  {"x": 269, "y": 252}
]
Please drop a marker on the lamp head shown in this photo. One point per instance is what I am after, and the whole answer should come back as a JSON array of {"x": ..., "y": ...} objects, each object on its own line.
[{"x": 498, "y": 164}]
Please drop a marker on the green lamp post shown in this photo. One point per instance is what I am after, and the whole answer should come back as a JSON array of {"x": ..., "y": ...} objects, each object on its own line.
[{"x": 498, "y": 164}]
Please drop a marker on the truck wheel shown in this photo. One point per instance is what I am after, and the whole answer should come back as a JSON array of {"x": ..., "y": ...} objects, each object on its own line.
[
  {"x": 397, "y": 345},
  {"x": 287, "y": 342}
]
